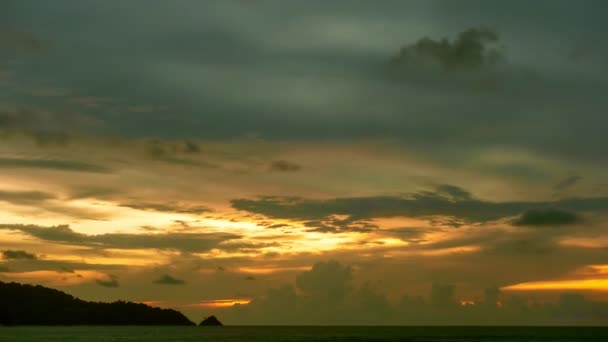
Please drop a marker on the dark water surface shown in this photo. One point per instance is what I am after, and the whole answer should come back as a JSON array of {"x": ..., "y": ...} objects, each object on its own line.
[{"x": 294, "y": 334}]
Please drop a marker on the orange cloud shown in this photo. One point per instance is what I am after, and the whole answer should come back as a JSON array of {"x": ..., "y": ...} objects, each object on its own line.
[{"x": 220, "y": 303}]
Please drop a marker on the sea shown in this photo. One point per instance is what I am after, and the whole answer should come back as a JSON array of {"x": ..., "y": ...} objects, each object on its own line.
[{"x": 298, "y": 334}]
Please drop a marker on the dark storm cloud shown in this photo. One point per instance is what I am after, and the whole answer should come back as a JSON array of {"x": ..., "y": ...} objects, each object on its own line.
[
  {"x": 169, "y": 280},
  {"x": 169, "y": 208},
  {"x": 547, "y": 217},
  {"x": 284, "y": 166},
  {"x": 18, "y": 255},
  {"x": 316, "y": 70},
  {"x": 184, "y": 242},
  {"x": 447, "y": 200},
  {"x": 53, "y": 164},
  {"x": 111, "y": 281}
]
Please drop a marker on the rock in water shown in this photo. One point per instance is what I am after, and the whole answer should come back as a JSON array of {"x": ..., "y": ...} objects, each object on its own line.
[{"x": 211, "y": 321}]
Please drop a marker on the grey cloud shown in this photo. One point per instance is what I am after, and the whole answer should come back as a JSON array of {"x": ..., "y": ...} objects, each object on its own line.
[
  {"x": 568, "y": 182},
  {"x": 43, "y": 122},
  {"x": 185, "y": 242},
  {"x": 455, "y": 192},
  {"x": 21, "y": 41},
  {"x": 25, "y": 197},
  {"x": 53, "y": 164},
  {"x": 111, "y": 282},
  {"x": 169, "y": 207},
  {"x": 284, "y": 166},
  {"x": 329, "y": 280},
  {"x": 169, "y": 280},
  {"x": 442, "y": 295},
  {"x": 366, "y": 305},
  {"x": 547, "y": 217},
  {"x": 411, "y": 234},
  {"x": 446, "y": 201},
  {"x": 176, "y": 152},
  {"x": 60, "y": 266},
  {"x": 159, "y": 148},
  {"x": 18, "y": 255},
  {"x": 469, "y": 50},
  {"x": 326, "y": 72}
]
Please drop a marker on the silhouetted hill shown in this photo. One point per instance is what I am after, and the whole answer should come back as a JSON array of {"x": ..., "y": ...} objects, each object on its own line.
[
  {"x": 22, "y": 304},
  {"x": 211, "y": 321}
]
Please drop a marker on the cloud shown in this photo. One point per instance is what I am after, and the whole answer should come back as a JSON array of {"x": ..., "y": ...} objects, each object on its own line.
[
  {"x": 470, "y": 50},
  {"x": 442, "y": 295},
  {"x": 446, "y": 200},
  {"x": 160, "y": 148},
  {"x": 184, "y": 242},
  {"x": 21, "y": 41},
  {"x": 169, "y": 208},
  {"x": 547, "y": 217},
  {"x": 25, "y": 197},
  {"x": 329, "y": 280},
  {"x": 18, "y": 255},
  {"x": 111, "y": 281},
  {"x": 53, "y": 164},
  {"x": 568, "y": 182},
  {"x": 169, "y": 280},
  {"x": 284, "y": 166},
  {"x": 411, "y": 234},
  {"x": 43, "y": 121}
]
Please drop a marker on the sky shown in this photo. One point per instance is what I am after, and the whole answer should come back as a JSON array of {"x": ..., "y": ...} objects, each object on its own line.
[{"x": 291, "y": 162}]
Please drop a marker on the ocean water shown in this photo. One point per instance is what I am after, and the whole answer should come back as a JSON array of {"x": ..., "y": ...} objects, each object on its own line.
[{"x": 297, "y": 334}]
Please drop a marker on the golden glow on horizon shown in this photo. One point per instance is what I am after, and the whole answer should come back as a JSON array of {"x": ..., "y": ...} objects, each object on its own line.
[
  {"x": 271, "y": 269},
  {"x": 559, "y": 285},
  {"x": 220, "y": 303}
]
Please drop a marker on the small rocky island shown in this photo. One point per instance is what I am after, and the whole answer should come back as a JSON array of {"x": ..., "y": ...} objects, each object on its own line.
[
  {"x": 22, "y": 304},
  {"x": 211, "y": 321}
]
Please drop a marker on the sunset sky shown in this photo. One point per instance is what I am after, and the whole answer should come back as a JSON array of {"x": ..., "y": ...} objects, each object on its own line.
[{"x": 199, "y": 154}]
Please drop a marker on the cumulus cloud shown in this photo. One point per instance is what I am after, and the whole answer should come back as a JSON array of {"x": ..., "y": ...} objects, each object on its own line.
[
  {"x": 547, "y": 217},
  {"x": 367, "y": 304},
  {"x": 111, "y": 281},
  {"x": 169, "y": 280},
  {"x": 18, "y": 255},
  {"x": 284, "y": 166},
  {"x": 328, "y": 280},
  {"x": 471, "y": 49},
  {"x": 185, "y": 242}
]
